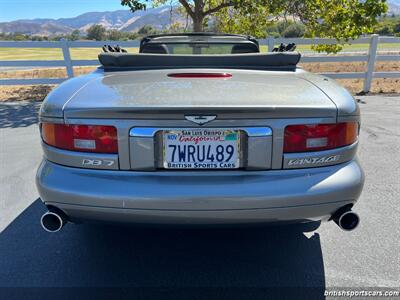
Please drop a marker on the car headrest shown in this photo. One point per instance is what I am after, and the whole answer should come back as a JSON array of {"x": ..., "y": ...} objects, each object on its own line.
[
  {"x": 155, "y": 49},
  {"x": 244, "y": 48}
]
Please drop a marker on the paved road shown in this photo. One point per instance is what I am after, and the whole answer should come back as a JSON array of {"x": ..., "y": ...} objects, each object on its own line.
[{"x": 94, "y": 255}]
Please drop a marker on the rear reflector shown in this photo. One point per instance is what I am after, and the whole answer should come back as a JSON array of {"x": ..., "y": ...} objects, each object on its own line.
[
  {"x": 305, "y": 138},
  {"x": 200, "y": 75},
  {"x": 84, "y": 138}
]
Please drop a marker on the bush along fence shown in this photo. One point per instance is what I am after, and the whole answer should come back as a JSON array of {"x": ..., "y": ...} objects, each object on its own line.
[{"x": 370, "y": 57}]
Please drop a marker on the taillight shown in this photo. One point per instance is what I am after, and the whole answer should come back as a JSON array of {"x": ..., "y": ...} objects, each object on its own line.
[
  {"x": 84, "y": 138},
  {"x": 304, "y": 138}
]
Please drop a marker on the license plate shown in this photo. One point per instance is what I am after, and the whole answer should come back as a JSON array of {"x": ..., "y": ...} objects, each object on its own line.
[{"x": 201, "y": 149}]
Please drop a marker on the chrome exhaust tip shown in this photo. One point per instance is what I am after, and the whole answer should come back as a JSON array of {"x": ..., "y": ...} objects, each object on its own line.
[
  {"x": 347, "y": 220},
  {"x": 52, "y": 221}
]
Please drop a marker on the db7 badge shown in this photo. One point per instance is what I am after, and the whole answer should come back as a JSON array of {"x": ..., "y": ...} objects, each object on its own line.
[{"x": 97, "y": 162}]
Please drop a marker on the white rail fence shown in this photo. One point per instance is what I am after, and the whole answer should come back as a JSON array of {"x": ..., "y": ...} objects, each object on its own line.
[{"x": 368, "y": 75}]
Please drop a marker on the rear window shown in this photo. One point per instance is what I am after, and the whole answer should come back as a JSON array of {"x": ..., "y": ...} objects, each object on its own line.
[{"x": 200, "y": 48}]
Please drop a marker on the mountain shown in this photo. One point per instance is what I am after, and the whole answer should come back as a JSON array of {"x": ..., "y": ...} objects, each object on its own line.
[
  {"x": 124, "y": 20},
  {"x": 32, "y": 27}
]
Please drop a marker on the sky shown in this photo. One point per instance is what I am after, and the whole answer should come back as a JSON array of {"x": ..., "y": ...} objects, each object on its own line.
[{"x": 32, "y": 9}]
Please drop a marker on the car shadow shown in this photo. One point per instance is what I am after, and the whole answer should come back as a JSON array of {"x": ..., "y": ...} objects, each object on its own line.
[
  {"x": 23, "y": 114},
  {"x": 255, "y": 260}
]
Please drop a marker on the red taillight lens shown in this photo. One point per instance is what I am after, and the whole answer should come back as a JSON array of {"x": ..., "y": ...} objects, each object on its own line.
[
  {"x": 200, "y": 75},
  {"x": 84, "y": 138},
  {"x": 304, "y": 138}
]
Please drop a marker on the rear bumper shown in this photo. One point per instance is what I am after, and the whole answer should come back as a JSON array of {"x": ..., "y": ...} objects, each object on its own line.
[{"x": 225, "y": 197}]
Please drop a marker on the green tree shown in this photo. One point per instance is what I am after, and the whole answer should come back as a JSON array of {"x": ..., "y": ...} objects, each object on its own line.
[
  {"x": 251, "y": 18},
  {"x": 131, "y": 35},
  {"x": 20, "y": 37},
  {"x": 146, "y": 30},
  {"x": 396, "y": 28},
  {"x": 286, "y": 28},
  {"x": 75, "y": 35},
  {"x": 96, "y": 32},
  {"x": 36, "y": 38},
  {"x": 176, "y": 27},
  {"x": 114, "y": 35},
  {"x": 383, "y": 30},
  {"x": 294, "y": 30},
  {"x": 339, "y": 19}
]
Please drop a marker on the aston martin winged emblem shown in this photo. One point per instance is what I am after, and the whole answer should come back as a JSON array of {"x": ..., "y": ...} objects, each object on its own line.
[{"x": 201, "y": 120}]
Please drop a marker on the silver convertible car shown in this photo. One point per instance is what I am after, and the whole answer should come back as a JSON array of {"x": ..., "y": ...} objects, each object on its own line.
[{"x": 199, "y": 129}]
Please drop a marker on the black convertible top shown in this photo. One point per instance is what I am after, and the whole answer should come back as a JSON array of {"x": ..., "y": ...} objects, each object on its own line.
[{"x": 252, "y": 61}]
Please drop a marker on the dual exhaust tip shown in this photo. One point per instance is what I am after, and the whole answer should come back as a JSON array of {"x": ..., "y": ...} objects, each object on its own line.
[
  {"x": 346, "y": 219},
  {"x": 53, "y": 220}
]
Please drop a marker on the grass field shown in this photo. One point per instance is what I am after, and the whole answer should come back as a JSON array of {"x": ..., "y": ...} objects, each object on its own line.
[
  {"x": 91, "y": 53},
  {"x": 50, "y": 53}
]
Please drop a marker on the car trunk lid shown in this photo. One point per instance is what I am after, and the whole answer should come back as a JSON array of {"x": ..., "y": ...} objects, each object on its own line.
[{"x": 155, "y": 95}]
